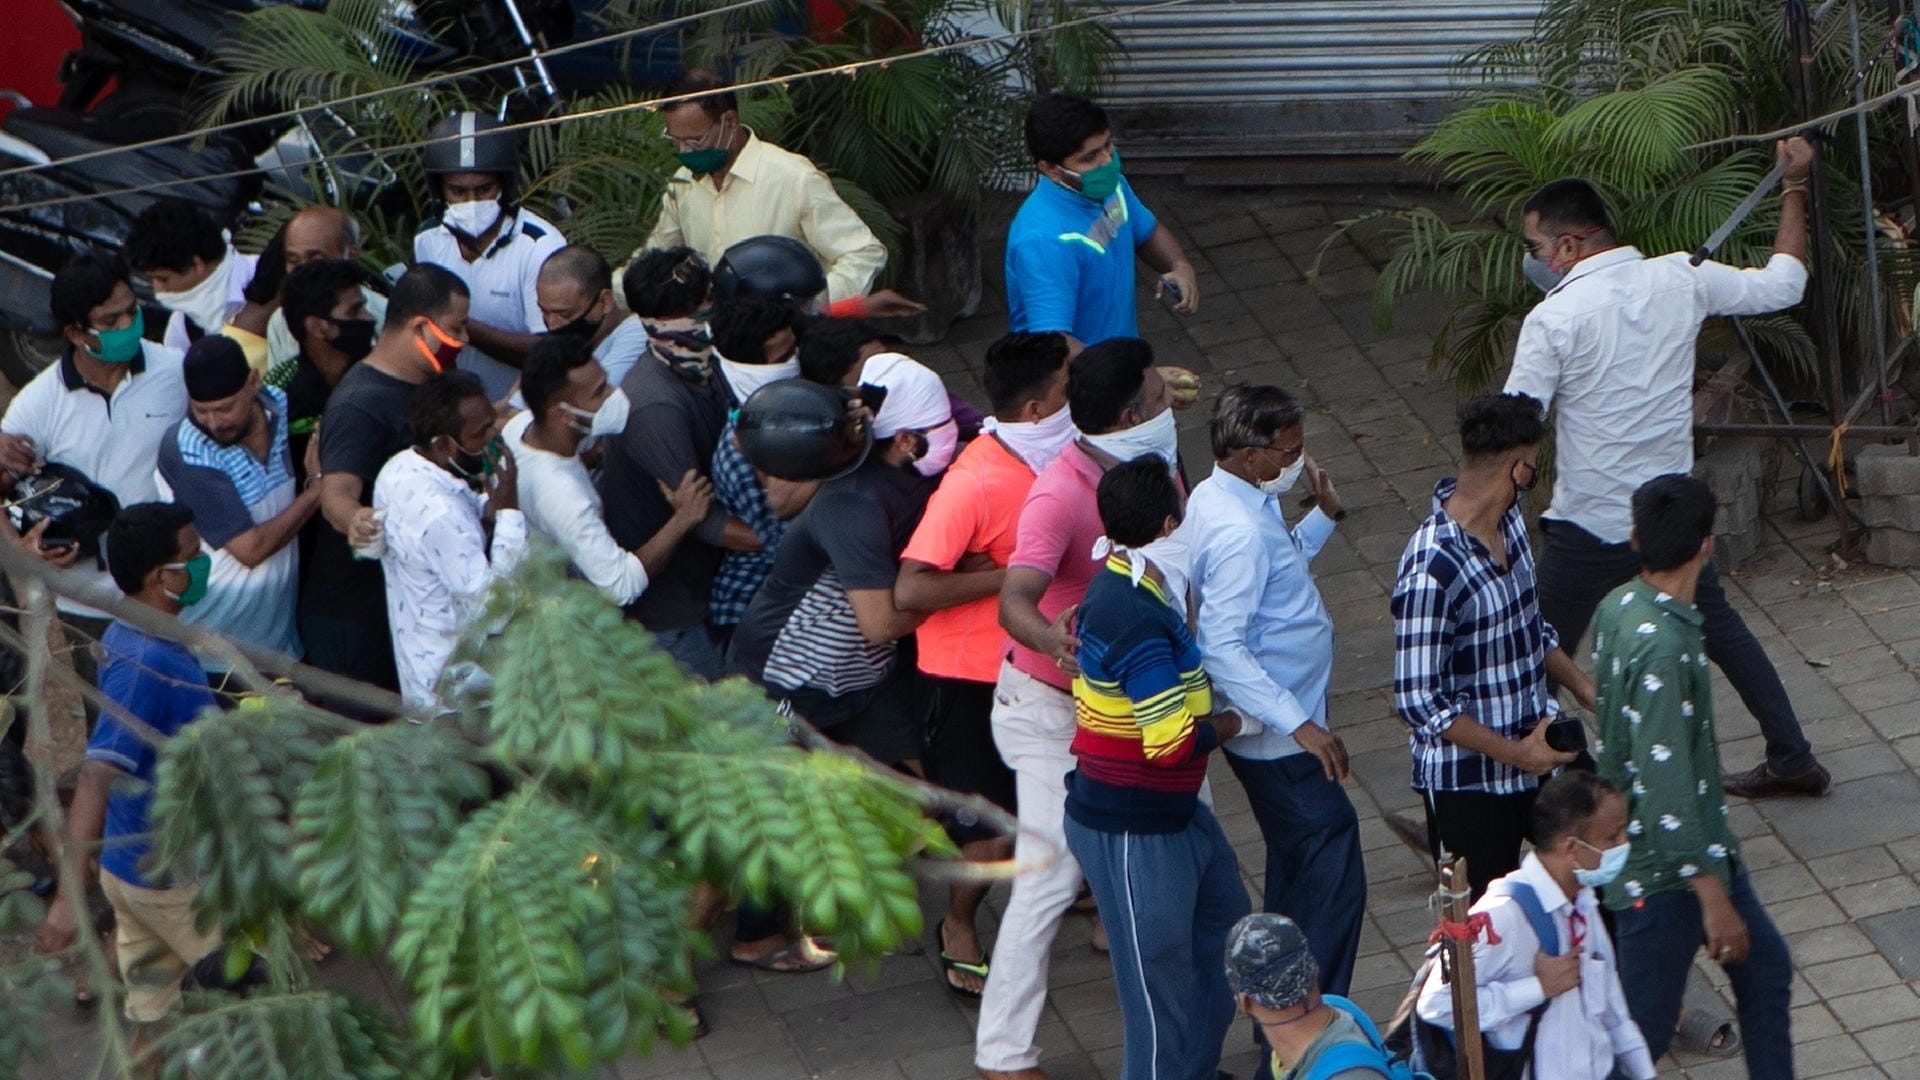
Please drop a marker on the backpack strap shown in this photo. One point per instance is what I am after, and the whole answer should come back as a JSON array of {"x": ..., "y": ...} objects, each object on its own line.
[
  {"x": 1343, "y": 1057},
  {"x": 1537, "y": 917}
]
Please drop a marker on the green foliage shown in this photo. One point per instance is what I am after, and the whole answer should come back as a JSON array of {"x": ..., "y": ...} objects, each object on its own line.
[
  {"x": 943, "y": 123},
  {"x": 380, "y": 804},
  {"x": 220, "y": 805},
  {"x": 1616, "y": 92},
  {"x": 538, "y": 921},
  {"x": 30, "y": 986},
  {"x": 297, "y": 1036}
]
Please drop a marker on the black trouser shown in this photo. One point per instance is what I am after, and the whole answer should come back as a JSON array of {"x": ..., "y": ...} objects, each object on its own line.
[
  {"x": 1482, "y": 828},
  {"x": 1577, "y": 570}
]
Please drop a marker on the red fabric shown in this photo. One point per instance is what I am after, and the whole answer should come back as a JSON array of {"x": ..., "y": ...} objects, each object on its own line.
[
  {"x": 39, "y": 34},
  {"x": 1477, "y": 928}
]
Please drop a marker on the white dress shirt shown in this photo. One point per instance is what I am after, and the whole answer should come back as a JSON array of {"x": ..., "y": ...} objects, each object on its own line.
[
  {"x": 1263, "y": 630},
  {"x": 1586, "y": 1028},
  {"x": 560, "y": 502},
  {"x": 1612, "y": 348},
  {"x": 437, "y": 563}
]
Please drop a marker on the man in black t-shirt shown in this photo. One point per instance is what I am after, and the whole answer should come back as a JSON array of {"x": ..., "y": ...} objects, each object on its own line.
[
  {"x": 325, "y": 307},
  {"x": 821, "y": 633},
  {"x": 343, "y": 606}
]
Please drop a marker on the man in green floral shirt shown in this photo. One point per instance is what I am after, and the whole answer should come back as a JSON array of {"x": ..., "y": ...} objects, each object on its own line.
[{"x": 1684, "y": 883}]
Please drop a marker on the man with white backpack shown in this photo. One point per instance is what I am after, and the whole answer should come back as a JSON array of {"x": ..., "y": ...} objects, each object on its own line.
[{"x": 1548, "y": 986}]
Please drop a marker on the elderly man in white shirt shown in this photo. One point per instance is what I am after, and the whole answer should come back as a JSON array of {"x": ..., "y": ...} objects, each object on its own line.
[
  {"x": 435, "y": 496},
  {"x": 1267, "y": 640},
  {"x": 1569, "y": 986},
  {"x": 569, "y": 404},
  {"x": 1611, "y": 351}
]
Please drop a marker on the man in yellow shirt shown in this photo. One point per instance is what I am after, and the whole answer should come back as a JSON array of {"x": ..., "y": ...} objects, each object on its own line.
[{"x": 732, "y": 185}]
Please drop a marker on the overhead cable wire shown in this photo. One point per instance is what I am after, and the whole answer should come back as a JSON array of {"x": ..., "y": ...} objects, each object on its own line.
[
  {"x": 648, "y": 105},
  {"x": 368, "y": 95}
]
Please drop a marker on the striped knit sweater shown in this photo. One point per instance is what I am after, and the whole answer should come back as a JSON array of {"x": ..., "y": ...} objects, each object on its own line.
[{"x": 1142, "y": 753}]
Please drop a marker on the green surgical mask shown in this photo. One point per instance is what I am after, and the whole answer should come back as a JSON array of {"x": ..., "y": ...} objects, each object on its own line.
[
  {"x": 197, "y": 569},
  {"x": 121, "y": 346},
  {"x": 1100, "y": 182},
  {"x": 705, "y": 161}
]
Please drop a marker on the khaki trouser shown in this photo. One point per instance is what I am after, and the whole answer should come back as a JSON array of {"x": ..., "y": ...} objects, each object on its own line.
[{"x": 157, "y": 942}]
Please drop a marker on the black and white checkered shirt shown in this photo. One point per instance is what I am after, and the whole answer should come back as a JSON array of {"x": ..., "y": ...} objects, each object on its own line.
[{"x": 1468, "y": 640}]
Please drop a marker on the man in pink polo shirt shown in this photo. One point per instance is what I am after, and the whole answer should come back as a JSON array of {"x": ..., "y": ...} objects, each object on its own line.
[{"x": 1120, "y": 404}]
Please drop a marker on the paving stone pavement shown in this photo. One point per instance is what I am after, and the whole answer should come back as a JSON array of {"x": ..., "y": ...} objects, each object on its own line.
[{"x": 1837, "y": 874}]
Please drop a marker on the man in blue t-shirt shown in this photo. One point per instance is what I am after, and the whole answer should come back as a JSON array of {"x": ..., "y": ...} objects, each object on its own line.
[
  {"x": 155, "y": 558},
  {"x": 1071, "y": 247}
]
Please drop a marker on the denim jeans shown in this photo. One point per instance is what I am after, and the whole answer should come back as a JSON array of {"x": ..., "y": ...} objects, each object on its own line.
[
  {"x": 694, "y": 648},
  {"x": 1657, "y": 939},
  {"x": 1168, "y": 900},
  {"x": 1314, "y": 872},
  {"x": 1577, "y": 570}
]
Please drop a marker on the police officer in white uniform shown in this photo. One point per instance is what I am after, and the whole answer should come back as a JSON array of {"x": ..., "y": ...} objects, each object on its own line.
[{"x": 489, "y": 240}]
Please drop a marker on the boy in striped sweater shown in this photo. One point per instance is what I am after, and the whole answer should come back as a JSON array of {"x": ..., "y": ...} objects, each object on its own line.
[{"x": 1159, "y": 866}]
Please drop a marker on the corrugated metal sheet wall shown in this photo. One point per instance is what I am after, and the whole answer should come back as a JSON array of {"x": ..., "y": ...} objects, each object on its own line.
[{"x": 1259, "y": 77}]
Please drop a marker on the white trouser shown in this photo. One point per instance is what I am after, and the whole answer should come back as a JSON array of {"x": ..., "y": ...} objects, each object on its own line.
[{"x": 1033, "y": 728}]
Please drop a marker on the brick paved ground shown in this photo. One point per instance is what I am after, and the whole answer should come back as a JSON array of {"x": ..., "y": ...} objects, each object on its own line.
[{"x": 1838, "y": 874}]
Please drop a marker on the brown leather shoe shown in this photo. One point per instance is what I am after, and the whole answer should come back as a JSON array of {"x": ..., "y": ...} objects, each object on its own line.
[
  {"x": 1016, "y": 1074},
  {"x": 1761, "y": 782}
]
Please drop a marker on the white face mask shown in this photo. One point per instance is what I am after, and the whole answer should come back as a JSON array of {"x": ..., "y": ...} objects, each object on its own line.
[
  {"x": 1155, "y": 436},
  {"x": 746, "y": 378},
  {"x": 609, "y": 419},
  {"x": 942, "y": 443},
  {"x": 209, "y": 302},
  {"x": 1036, "y": 442},
  {"x": 1283, "y": 483},
  {"x": 471, "y": 219}
]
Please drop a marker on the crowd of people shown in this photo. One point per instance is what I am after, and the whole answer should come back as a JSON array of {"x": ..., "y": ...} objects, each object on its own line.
[{"x": 1031, "y": 604}]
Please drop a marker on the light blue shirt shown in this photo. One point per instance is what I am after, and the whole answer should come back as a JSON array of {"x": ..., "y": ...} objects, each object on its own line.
[{"x": 1265, "y": 634}]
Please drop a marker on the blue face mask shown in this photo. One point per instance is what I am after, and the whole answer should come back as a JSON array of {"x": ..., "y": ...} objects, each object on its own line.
[{"x": 1612, "y": 861}]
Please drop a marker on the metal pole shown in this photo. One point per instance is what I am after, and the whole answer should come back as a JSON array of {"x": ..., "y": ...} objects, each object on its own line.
[
  {"x": 1826, "y": 331},
  {"x": 1866, "y": 213}
]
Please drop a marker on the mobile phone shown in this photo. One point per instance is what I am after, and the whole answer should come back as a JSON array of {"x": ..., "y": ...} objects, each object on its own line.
[
  {"x": 1170, "y": 289},
  {"x": 60, "y": 546}
]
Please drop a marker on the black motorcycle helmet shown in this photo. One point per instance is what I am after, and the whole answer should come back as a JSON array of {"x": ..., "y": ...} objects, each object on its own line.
[
  {"x": 77, "y": 510},
  {"x": 799, "y": 430},
  {"x": 478, "y": 149},
  {"x": 776, "y": 266}
]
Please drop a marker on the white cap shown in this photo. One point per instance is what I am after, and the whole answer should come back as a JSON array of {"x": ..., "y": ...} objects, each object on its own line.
[{"x": 916, "y": 398}]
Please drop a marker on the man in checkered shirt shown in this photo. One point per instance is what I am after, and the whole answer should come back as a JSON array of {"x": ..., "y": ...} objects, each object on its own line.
[{"x": 1472, "y": 659}]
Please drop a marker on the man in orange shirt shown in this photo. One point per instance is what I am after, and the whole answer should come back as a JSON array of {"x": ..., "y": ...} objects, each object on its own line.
[{"x": 953, "y": 568}]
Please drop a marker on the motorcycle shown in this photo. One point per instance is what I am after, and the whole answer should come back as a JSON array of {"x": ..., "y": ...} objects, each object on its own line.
[{"x": 153, "y": 51}]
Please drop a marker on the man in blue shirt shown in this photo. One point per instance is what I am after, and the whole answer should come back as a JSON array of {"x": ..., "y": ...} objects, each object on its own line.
[
  {"x": 1071, "y": 247},
  {"x": 1268, "y": 642},
  {"x": 155, "y": 558}
]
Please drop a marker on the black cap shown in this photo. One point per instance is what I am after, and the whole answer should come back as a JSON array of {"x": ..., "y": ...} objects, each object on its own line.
[{"x": 215, "y": 368}]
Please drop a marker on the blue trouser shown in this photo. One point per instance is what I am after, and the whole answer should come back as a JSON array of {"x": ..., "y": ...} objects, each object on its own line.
[
  {"x": 695, "y": 649},
  {"x": 1315, "y": 875},
  {"x": 1657, "y": 939},
  {"x": 1168, "y": 900}
]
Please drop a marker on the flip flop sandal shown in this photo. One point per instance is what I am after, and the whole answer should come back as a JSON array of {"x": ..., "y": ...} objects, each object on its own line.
[
  {"x": 695, "y": 1019},
  {"x": 949, "y": 964},
  {"x": 1704, "y": 1033},
  {"x": 777, "y": 960}
]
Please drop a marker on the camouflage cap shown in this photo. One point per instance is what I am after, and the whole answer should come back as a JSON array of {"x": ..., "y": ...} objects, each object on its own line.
[{"x": 1268, "y": 961}]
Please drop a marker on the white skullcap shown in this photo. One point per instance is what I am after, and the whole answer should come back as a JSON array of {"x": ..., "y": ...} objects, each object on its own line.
[{"x": 916, "y": 398}]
